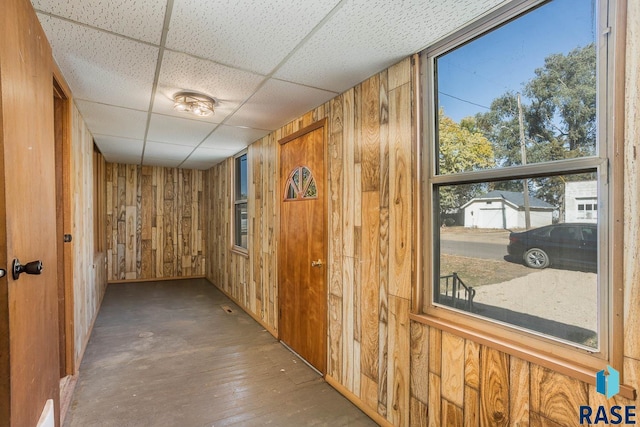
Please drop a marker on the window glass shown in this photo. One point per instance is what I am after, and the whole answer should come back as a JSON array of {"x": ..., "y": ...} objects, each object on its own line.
[
  {"x": 523, "y": 93},
  {"x": 544, "y": 279},
  {"x": 240, "y": 216},
  {"x": 515, "y": 181}
]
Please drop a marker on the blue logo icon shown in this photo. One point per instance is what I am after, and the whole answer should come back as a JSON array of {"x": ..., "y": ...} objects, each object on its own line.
[{"x": 609, "y": 385}]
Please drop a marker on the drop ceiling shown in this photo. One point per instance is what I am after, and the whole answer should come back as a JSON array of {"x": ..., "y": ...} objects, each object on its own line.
[{"x": 264, "y": 62}]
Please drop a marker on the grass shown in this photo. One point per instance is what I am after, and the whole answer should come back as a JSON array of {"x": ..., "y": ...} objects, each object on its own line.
[{"x": 477, "y": 272}]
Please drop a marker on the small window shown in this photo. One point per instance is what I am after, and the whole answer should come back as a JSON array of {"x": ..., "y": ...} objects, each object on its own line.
[
  {"x": 300, "y": 189},
  {"x": 512, "y": 109},
  {"x": 241, "y": 194}
]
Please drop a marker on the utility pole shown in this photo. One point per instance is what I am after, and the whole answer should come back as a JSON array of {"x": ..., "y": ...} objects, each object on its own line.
[{"x": 523, "y": 155}]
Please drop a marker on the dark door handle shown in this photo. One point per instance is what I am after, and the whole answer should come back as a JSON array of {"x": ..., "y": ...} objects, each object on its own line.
[{"x": 33, "y": 267}]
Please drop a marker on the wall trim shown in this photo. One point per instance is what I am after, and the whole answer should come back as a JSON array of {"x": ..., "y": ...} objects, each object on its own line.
[{"x": 153, "y": 279}]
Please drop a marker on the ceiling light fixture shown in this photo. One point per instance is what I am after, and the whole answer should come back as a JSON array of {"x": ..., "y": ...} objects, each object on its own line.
[{"x": 195, "y": 103}]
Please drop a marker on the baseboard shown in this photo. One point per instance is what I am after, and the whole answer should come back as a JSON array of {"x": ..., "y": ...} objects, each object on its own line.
[
  {"x": 153, "y": 279},
  {"x": 67, "y": 387},
  {"x": 255, "y": 317},
  {"x": 357, "y": 401}
]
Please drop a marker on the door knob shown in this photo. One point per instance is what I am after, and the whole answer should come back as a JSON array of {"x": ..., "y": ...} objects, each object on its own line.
[
  {"x": 3, "y": 272},
  {"x": 33, "y": 267},
  {"x": 317, "y": 263}
]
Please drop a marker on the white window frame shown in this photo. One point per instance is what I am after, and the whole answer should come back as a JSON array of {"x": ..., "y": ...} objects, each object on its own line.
[{"x": 576, "y": 362}]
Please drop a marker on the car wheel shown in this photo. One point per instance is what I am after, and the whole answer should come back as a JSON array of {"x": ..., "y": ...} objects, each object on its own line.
[{"x": 536, "y": 258}]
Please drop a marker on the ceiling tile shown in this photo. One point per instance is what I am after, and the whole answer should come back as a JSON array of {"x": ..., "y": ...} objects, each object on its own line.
[
  {"x": 167, "y": 163},
  {"x": 228, "y": 86},
  {"x": 276, "y": 103},
  {"x": 121, "y": 148},
  {"x": 364, "y": 37},
  {"x": 139, "y": 19},
  {"x": 160, "y": 150},
  {"x": 254, "y": 36},
  {"x": 102, "y": 67},
  {"x": 233, "y": 138},
  {"x": 114, "y": 121},
  {"x": 199, "y": 165},
  {"x": 202, "y": 156},
  {"x": 174, "y": 130}
]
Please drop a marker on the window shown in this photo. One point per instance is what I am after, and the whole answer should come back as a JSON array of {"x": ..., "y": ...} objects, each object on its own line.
[
  {"x": 516, "y": 111},
  {"x": 240, "y": 214}
]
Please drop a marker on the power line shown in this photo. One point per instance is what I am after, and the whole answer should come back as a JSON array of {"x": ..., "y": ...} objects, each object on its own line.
[{"x": 464, "y": 100}]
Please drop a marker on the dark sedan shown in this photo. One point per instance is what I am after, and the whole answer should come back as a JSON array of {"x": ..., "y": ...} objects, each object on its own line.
[{"x": 574, "y": 244}]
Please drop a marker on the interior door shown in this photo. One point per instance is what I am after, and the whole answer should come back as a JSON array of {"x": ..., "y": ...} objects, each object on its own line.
[
  {"x": 28, "y": 303},
  {"x": 302, "y": 247}
]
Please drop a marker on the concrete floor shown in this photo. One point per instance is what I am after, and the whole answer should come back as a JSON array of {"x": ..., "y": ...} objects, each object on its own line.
[{"x": 171, "y": 354}]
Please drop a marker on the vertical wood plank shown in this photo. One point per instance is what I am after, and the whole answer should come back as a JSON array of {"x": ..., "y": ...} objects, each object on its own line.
[
  {"x": 420, "y": 362},
  {"x": 400, "y": 193},
  {"x": 453, "y": 368},
  {"x": 399, "y": 361},
  {"x": 370, "y": 309},
  {"x": 519, "y": 392},
  {"x": 494, "y": 388}
]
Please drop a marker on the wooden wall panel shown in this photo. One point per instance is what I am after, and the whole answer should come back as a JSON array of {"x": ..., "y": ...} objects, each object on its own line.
[
  {"x": 155, "y": 222},
  {"x": 89, "y": 265},
  {"x": 408, "y": 374},
  {"x": 368, "y": 329}
]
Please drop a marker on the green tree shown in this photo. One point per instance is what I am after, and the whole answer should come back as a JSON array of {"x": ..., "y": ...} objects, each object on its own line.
[
  {"x": 559, "y": 111},
  {"x": 461, "y": 148}
]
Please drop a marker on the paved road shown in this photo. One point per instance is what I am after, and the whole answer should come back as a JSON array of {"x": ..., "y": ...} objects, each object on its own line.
[{"x": 474, "y": 249}]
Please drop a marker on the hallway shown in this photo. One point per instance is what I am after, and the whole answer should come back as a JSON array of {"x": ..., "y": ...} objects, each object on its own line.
[{"x": 180, "y": 353}]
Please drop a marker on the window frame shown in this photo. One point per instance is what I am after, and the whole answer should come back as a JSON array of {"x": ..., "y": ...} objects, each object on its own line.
[
  {"x": 236, "y": 191},
  {"x": 573, "y": 361}
]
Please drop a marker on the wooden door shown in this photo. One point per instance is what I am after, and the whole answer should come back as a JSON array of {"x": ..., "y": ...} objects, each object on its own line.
[
  {"x": 302, "y": 270},
  {"x": 29, "y": 354}
]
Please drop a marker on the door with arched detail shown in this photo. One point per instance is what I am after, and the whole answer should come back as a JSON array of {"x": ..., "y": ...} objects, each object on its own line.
[{"x": 302, "y": 270}]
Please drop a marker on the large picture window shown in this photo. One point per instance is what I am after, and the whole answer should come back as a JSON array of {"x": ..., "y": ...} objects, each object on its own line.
[
  {"x": 517, "y": 196},
  {"x": 240, "y": 213}
]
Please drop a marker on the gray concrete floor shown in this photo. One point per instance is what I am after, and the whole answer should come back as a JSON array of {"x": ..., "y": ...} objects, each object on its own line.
[{"x": 169, "y": 354}]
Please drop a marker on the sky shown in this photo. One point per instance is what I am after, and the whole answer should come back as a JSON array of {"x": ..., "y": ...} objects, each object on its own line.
[{"x": 504, "y": 59}]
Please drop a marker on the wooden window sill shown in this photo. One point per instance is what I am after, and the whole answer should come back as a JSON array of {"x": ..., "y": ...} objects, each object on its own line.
[{"x": 237, "y": 250}]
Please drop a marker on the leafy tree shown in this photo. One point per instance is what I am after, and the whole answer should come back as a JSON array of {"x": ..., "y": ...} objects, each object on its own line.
[
  {"x": 461, "y": 149},
  {"x": 559, "y": 111}
]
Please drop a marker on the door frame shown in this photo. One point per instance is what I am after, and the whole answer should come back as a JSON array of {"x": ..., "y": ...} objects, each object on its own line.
[
  {"x": 320, "y": 124},
  {"x": 63, "y": 134}
]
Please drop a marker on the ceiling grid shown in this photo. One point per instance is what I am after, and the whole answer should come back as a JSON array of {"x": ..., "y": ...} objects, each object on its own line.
[{"x": 265, "y": 63}]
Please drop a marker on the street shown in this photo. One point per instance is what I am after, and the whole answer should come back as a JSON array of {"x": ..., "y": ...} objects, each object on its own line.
[{"x": 474, "y": 249}]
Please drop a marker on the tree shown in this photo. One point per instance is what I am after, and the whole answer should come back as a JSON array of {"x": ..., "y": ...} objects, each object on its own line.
[
  {"x": 559, "y": 120},
  {"x": 461, "y": 149}
]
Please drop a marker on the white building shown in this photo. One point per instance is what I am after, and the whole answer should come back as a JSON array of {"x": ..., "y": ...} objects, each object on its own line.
[
  {"x": 581, "y": 201},
  {"x": 505, "y": 210}
]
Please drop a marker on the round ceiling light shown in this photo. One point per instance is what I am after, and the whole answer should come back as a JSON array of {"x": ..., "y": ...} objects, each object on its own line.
[{"x": 194, "y": 103}]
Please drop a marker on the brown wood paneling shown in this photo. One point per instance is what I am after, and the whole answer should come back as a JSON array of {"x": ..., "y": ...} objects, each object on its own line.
[
  {"x": 159, "y": 229},
  {"x": 453, "y": 368},
  {"x": 494, "y": 388}
]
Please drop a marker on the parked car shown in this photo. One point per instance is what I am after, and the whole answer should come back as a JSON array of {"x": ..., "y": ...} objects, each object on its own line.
[{"x": 574, "y": 244}]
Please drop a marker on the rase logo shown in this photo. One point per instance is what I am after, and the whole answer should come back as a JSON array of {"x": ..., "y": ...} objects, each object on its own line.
[{"x": 608, "y": 384}]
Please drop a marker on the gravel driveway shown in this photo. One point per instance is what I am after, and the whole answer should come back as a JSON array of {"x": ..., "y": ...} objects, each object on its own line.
[{"x": 559, "y": 302}]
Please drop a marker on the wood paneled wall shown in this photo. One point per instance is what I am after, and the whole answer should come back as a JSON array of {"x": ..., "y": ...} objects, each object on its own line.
[
  {"x": 406, "y": 372},
  {"x": 369, "y": 255},
  {"x": 89, "y": 267},
  {"x": 155, "y": 222}
]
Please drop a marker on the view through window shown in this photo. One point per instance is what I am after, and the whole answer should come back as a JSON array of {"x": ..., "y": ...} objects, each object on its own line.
[{"x": 515, "y": 188}]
